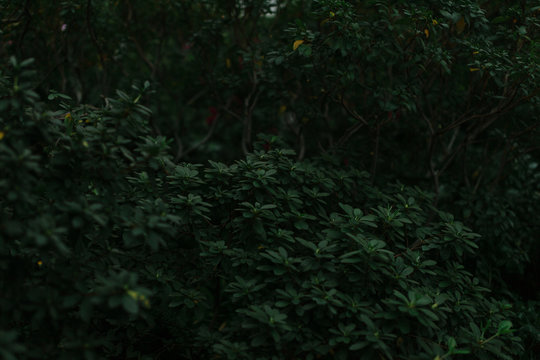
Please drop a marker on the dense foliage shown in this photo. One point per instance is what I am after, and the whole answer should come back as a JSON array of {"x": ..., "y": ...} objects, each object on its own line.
[
  {"x": 265, "y": 258},
  {"x": 119, "y": 238}
]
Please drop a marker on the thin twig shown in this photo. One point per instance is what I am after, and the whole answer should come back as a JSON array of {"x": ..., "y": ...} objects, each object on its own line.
[
  {"x": 92, "y": 33},
  {"x": 196, "y": 96},
  {"x": 451, "y": 143},
  {"x": 249, "y": 106},
  {"x": 206, "y": 137},
  {"x": 353, "y": 113},
  {"x": 431, "y": 165},
  {"x": 348, "y": 133},
  {"x": 26, "y": 25},
  {"x": 142, "y": 55},
  {"x": 353, "y": 128},
  {"x": 209, "y": 133},
  {"x": 96, "y": 44},
  {"x": 302, "y": 151},
  {"x": 180, "y": 146},
  {"x": 375, "y": 153}
]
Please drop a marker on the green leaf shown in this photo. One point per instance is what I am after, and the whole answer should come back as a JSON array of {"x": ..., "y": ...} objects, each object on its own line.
[
  {"x": 505, "y": 327},
  {"x": 358, "y": 345},
  {"x": 130, "y": 305}
]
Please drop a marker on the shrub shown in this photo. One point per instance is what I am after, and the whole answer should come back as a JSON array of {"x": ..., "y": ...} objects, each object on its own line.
[{"x": 109, "y": 249}]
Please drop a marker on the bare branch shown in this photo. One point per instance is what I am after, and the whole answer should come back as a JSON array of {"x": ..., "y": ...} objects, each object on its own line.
[
  {"x": 302, "y": 151},
  {"x": 196, "y": 96},
  {"x": 249, "y": 106},
  {"x": 353, "y": 128},
  {"x": 92, "y": 33},
  {"x": 142, "y": 55},
  {"x": 348, "y": 133},
  {"x": 180, "y": 146},
  {"x": 353, "y": 113},
  {"x": 206, "y": 137},
  {"x": 375, "y": 153}
]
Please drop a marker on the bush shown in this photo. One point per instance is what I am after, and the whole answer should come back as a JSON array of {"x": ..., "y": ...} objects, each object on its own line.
[
  {"x": 108, "y": 249},
  {"x": 95, "y": 223}
]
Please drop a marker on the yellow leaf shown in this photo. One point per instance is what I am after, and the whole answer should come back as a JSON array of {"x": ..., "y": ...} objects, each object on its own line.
[
  {"x": 2, "y": 134},
  {"x": 332, "y": 14},
  {"x": 476, "y": 52},
  {"x": 426, "y": 32},
  {"x": 133, "y": 294},
  {"x": 282, "y": 109},
  {"x": 434, "y": 22},
  {"x": 473, "y": 69},
  {"x": 146, "y": 303},
  {"x": 228, "y": 62},
  {"x": 296, "y": 44},
  {"x": 460, "y": 25}
]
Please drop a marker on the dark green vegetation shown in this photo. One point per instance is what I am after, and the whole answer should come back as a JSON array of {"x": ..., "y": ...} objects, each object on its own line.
[{"x": 275, "y": 180}]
